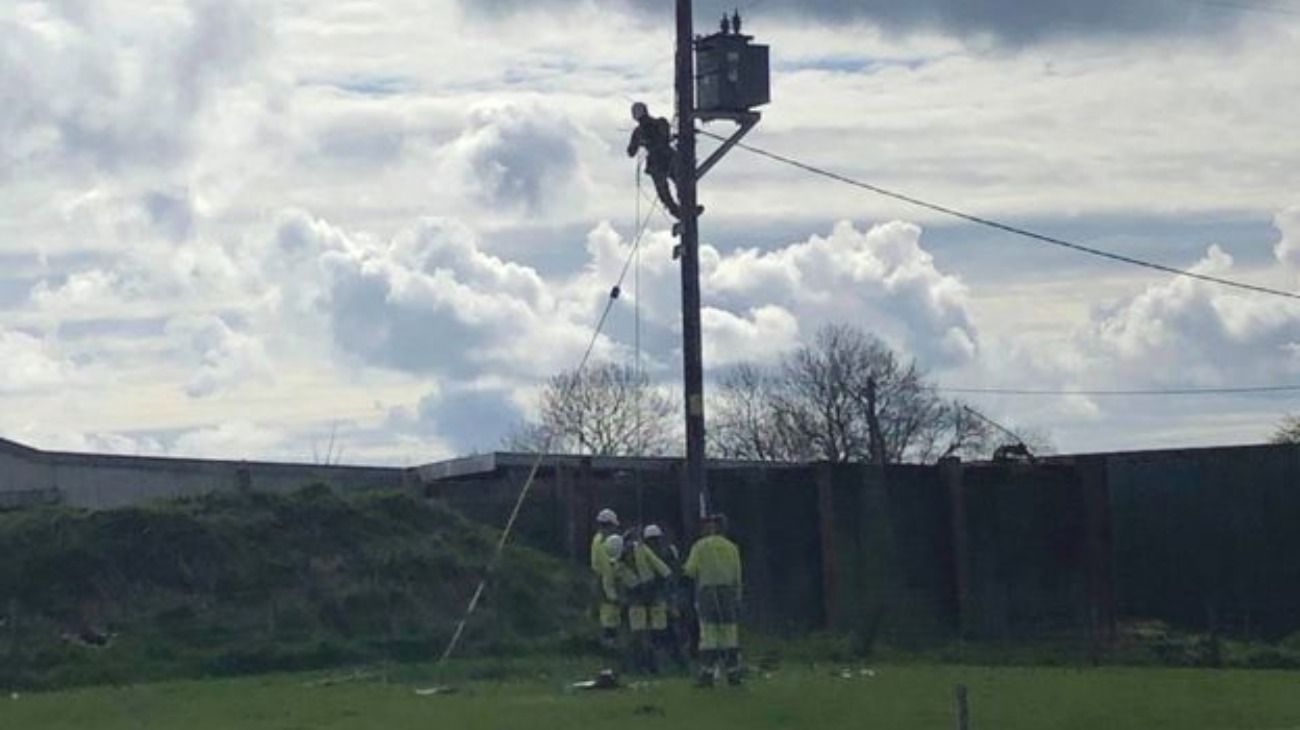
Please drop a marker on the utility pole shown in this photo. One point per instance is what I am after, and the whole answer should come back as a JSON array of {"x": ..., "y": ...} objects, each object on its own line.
[
  {"x": 733, "y": 79},
  {"x": 692, "y": 345},
  {"x": 876, "y": 439}
]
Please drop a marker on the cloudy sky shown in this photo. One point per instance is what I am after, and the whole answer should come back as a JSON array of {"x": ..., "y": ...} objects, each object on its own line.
[{"x": 239, "y": 229}]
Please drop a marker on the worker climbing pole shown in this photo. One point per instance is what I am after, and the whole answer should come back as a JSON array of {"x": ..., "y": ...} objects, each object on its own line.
[{"x": 733, "y": 79}]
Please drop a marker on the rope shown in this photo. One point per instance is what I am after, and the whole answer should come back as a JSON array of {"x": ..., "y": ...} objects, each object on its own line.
[
  {"x": 637, "y": 371},
  {"x": 546, "y": 446},
  {"x": 1005, "y": 227}
]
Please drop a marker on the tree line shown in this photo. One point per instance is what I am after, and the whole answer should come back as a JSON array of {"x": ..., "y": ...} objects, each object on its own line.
[{"x": 846, "y": 396}]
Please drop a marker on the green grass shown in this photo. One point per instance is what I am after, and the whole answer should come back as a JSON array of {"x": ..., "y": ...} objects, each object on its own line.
[
  {"x": 231, "y": 584},
  {"x": 791, "y": 697}
]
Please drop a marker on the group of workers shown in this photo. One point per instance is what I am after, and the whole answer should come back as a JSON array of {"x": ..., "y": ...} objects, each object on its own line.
[{"x": 644, "y": 607}]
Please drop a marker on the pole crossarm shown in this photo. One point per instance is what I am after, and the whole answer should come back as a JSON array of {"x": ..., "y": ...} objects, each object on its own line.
[{"x": 746, "y": 120}]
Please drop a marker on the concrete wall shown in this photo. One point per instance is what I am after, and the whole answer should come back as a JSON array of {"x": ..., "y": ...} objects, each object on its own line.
[
  {"x": 29, "y": 476},
  {"x": 24, "y": 479}
]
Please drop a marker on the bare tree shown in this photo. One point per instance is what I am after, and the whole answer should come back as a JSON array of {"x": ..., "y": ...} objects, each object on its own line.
[
  {"x": 845, "y": 397},
  {"x": 606, "y": 410},
  {"x": 823, "y": 387},
  {"x": 744, "y": 425},
  {"x": 1288, "y": 431},
  {"x": 955, "y": 431}
]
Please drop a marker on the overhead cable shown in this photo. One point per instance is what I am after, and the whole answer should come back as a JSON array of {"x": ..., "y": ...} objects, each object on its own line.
[
  {"x": 1008, "y": 228},
  {"x": 1125, "y": 392}
]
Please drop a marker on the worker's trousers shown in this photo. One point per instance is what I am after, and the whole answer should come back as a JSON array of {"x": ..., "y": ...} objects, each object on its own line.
[
  {"x": 611, "y": 620},
  {"x": 719, "y": 610},
  {"x": 666, "y": 193}
]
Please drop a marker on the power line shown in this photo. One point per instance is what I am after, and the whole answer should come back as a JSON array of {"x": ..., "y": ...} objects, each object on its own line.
[
  {"x": 1129, "y": 392},
  {"x": 1007, "y": 228},
  {"x": 994, "y": 424}
]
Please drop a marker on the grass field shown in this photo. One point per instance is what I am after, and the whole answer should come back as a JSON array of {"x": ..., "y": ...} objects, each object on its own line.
[{"x": 804, "y": 697}]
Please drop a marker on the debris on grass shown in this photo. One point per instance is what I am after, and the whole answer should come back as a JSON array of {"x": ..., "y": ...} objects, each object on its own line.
[
  {"x": 607, "y": 679},
  {"x": 356, "y": 676},
  {"x": 431, "y": 691}
]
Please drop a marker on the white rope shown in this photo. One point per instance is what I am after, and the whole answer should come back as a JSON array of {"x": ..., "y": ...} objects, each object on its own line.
[
  {"x": 546, "y": 445},
  {"x": 636, "y": 293}
]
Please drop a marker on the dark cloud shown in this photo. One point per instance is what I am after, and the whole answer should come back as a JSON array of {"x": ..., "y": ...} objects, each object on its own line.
[
  {"x": 1008, "y": 21},
  {"x": 430, "y": 301},
  {"x": 472, "y": 420},
  {"x": 172, "y": 214},
  {"x": 371, "y": 319},
  {"x": 518, "y": 157},
  {"x": 118, "y": 88}
]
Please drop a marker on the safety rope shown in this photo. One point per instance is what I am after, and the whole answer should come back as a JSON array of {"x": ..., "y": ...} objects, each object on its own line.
[
  {"x": 637, "y": 371},
  {"x": 549, "y": 439}
]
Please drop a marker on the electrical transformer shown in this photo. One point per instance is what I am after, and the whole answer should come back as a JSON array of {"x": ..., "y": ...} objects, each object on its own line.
[{"x": 732, "y": 74}]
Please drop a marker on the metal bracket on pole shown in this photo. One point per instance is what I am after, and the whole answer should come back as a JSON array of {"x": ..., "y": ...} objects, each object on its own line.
[{"x": 746, "y": 120}]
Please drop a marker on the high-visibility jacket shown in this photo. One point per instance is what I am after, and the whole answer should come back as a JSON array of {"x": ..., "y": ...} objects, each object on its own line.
[
  {"x": 632, "y": 577},
  {"x": 713, "y": 561},
  {"x": 616, "y": 580},
  {"x": 648, "y": 565},
  {"x": 599, "y": 558}
]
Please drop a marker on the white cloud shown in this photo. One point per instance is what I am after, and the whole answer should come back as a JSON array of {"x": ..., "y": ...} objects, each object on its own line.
[
  {"x": 67, "y": 439},
  {"x": 155, "y": 163},
  {"x": 224, "y": 357},
  {"x": 89, "y": 290},
  {"x": 763, "y": 334},
  {"x": 881, "y": 276},
  {"x": 1189, "y": 332},
  {"x": 28, "y": 363},
  {"x": 230, "y": 440},
  {"x": 1287, "y": 249}
]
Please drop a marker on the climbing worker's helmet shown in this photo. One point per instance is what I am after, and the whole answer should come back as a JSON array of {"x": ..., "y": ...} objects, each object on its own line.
[
  {"x": 607, "y": 517},
  {"x": 639, "y": 111},
  {"x": 652, "y": 531},
  {"x": 614, "y": 547}
]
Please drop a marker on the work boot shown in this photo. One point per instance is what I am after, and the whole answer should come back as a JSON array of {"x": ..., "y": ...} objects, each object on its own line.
[{"x": 735, "y": 672}]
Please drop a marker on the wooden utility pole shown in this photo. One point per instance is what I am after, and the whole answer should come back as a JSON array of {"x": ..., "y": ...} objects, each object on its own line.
[
  {"x": 692, "y": 346},
  {"x": 875, "y": 438},
  {"x": 734, "y": 79}
]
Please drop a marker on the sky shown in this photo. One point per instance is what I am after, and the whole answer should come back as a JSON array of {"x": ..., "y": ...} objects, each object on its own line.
[{"x": 368, "y": 231}]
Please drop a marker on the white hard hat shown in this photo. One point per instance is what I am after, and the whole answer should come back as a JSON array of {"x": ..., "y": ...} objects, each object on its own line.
[
  {"x": 639, "y": 110},
  {"x": 652, "y": 531},
  {"x": 614, "y": 547},
  {"x": 606, "y": 517}
]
